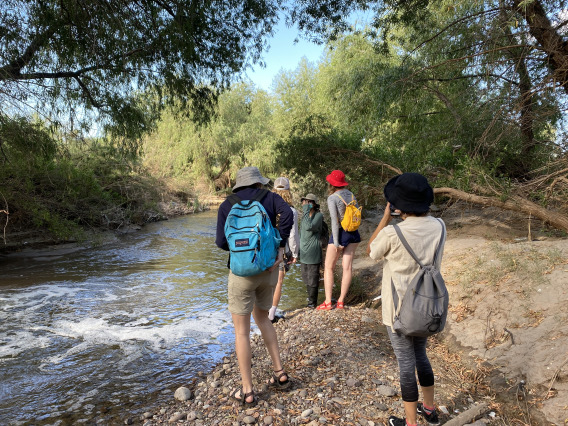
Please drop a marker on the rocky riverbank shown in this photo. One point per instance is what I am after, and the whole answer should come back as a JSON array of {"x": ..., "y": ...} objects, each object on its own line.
[
  {"x": 343, "y": 372},
  {"x": 500, "y": 361}
]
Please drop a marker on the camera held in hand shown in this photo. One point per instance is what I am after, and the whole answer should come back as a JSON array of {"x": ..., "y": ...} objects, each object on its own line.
[{"x": 393, "y": 211}]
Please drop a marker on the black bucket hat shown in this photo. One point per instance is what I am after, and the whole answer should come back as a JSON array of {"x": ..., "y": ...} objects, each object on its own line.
[{"x": 409, "y": 192}]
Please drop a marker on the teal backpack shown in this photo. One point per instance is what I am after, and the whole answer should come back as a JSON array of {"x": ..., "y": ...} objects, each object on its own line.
[{"x": 253, "y": 241}]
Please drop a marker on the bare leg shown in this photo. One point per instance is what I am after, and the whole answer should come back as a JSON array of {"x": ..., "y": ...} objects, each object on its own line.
[
  {"x": 347, "y": 266},
  {"x": 242, "y": 347},
  {"x": 269, "y": 336},
  {"x": 428, "y": 395},
  {"x": 331, "y": 257},
  {"x": 410, "y": 411},
  {"x": 278, "y": 289}
]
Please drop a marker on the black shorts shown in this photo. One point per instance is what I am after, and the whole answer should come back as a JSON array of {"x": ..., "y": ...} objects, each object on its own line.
[
  {"x": 311, "y": 274},
  {"x": 346, "y": 238}
]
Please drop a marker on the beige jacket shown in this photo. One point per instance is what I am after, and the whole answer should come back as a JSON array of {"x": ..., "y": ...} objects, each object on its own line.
[{"x": 423, "y": 235}]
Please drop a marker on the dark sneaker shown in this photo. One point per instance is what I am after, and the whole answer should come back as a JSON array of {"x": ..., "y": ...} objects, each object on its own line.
[
  {"x": 431, "y": 418},
  {"x": 395, "y": 421}
]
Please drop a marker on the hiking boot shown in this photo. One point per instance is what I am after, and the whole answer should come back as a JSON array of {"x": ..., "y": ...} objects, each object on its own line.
[
  {"x": 396, "y": 421},
  {"x": 431, "y": 418}
]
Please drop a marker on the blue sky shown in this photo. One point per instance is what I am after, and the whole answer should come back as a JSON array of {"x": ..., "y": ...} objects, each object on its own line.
[{"x": 283, "y": 54}]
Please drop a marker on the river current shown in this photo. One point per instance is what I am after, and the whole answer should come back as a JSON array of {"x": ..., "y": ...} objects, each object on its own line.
[{"x": 91, "y": 335}]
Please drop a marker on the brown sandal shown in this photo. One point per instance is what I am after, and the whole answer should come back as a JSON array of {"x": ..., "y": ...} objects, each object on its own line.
[
  {"x": 276, "y": 383},
  {"x": 244, "y": 396}
]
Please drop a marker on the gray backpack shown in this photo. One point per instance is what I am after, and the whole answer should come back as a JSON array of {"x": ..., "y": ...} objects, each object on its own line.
[{"x": 424, "y": 306}]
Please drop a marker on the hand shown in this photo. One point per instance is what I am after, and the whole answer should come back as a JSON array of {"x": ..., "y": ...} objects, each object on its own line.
[
  {"x": 279, "y": 259},
  {"x": 294, "y": 259},
  {"x": 387, "y": 217}
]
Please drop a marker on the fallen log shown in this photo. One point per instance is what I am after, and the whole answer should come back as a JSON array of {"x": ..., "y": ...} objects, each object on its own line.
[
  {"x": 513, "y": 203},
  {"x": 468, "y": 416}
]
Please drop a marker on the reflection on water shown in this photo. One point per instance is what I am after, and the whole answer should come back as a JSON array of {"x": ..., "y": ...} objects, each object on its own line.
[{"x": 92, "y": 334}]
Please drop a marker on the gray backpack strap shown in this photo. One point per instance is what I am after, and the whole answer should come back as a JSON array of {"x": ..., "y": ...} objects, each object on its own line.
[
  {"x": 409, "y": 249},
  {"x": 438, "y": 250},
  {"x": 406, "y": 245}
]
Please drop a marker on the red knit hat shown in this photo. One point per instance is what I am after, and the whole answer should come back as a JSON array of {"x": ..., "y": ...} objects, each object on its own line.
[{"x": 336, "y": 178}]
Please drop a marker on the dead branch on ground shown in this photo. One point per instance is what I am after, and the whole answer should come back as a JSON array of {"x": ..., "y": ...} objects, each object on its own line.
[{"x": 514, "y": 203}]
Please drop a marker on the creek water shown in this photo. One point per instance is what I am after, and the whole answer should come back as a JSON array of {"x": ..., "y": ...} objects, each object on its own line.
[{"x": 93, "y": 335}]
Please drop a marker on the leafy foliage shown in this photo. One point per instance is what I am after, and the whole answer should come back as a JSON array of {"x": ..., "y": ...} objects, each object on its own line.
[
  {"x": 87, "y": 185},
  {"x": 240, "y": 134},
  {"x": 75, "y": 60}
]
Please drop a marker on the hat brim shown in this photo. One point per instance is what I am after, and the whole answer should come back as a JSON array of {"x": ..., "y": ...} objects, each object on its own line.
[
  {"x": 309, "y": 199},
  {"x": 334, "y": 182},
  {"x": 263, "y": 180}
]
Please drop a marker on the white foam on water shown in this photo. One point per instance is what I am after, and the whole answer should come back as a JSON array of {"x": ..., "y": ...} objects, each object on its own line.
[
  {"x": 38, "y": 297},
  {"x": 21, "y": 341},
  {"x": 91, "y": 332}
]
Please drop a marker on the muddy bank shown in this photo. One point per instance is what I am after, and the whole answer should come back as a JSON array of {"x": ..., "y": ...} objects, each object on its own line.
[{"x": 174, "y": 205}]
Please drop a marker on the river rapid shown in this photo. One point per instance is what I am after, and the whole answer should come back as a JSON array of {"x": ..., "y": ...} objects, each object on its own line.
[{"x": 87, "y": 335}]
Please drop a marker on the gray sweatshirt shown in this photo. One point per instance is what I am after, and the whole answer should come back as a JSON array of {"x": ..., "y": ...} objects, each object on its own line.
[{"x": 337, "y": 210}]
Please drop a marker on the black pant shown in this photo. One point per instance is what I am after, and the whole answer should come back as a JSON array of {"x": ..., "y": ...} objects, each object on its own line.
[
  {"x": 411, "y": 356},
  {"x": 311, "y": 277}
]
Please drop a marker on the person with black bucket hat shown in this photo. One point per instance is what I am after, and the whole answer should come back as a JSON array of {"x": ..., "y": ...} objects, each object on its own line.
[{"x": 411, "y": 195}]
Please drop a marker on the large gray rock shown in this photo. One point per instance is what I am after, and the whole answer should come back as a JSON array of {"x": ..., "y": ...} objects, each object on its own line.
[{"x": 182, "y": 394}]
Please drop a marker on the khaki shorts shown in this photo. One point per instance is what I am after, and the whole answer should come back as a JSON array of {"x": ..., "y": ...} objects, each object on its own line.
[{"x": 245, "y": 292}]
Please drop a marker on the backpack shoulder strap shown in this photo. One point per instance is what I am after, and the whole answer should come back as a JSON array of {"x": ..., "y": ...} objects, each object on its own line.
[
  {"x": 394, "y": 297},
  {"x": 341, "y": 199},
  {"x": 439, "y": 248},
  {"x": 260, "y": 195},
  {"x": 406, "y": 245},
  {"x": 234, "y": 199}
]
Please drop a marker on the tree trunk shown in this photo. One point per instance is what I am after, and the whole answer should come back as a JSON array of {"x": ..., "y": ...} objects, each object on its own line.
[
  {"x": 514, "y": 203},
  {"x": 551, "y": 42},
  {"x": 518, "y": 57}
]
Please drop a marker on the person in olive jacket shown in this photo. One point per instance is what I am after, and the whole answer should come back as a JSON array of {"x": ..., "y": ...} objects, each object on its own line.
[{"x": 310, "y": 246}]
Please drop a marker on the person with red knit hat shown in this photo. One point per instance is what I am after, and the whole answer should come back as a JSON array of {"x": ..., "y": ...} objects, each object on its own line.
[{"x": 341, "y": 242}]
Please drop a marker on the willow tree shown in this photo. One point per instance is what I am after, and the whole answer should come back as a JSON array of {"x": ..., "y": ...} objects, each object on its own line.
[
  {"x": 476, "y": 84},
  {"x": 74, "y": 60},
  {"x": 241, "y": 133}
]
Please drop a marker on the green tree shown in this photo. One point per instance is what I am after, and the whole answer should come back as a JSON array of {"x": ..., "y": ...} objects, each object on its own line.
[
  {"x": 82, "y": 59},
  {"x": 241, "y": 133}
]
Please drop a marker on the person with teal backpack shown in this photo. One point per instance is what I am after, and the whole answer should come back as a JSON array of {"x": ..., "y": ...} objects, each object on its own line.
[{"x": 246, "y": 228}]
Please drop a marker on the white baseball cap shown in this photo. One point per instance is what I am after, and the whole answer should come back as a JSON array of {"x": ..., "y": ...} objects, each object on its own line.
[{"x": 282, "y": 183}]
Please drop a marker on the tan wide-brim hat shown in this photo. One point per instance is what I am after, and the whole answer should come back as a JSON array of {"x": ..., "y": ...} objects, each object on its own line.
[
  {"x": 248, "y": 176},
  {"x": 311, "y": 197}
]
